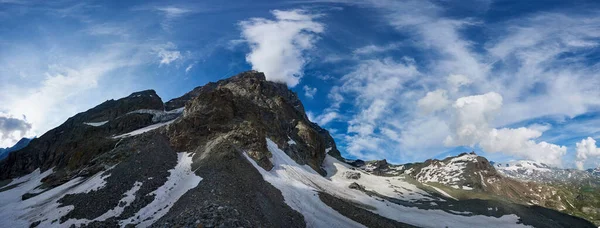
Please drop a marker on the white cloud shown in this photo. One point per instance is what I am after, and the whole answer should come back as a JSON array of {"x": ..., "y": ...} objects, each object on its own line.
[
  {"x": 68, "y": 85},
  {"x": 108, "y": 29},
  {"x": 375, "y": 89},
  {"x": 12, "y": 129},
  {"x": 173, "y": 11},
  {"x": 324, "y": 118},
  {"x": 472, "y": 118},
  {"x": 455, "y": 81},
  {"x": 188, "y": 68},
  {"x": 373, "y": 49},
  {"x": 278, "y": 46},
  {"x": 167, "y": 53},
  {"x": 309, "y": 91},
  {"x": 171, "y": 14},
  {"x": 434, "y": 101},
  {"x": 534, "y": 62},
  {"x": 471, "y": 127},
  {"x": 585, "y": 149}
]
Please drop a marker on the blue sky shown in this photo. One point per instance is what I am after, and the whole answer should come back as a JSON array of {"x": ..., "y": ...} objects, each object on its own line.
[{"x": 402, "y": 80}]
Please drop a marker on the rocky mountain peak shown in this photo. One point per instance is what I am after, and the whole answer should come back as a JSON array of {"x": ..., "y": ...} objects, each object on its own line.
[
  {"x": 144, "y": 93},
  {"x": 246, "y": 109}
]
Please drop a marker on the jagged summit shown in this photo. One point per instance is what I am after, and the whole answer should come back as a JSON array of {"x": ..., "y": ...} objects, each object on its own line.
[{"x": 249, "y": 108}]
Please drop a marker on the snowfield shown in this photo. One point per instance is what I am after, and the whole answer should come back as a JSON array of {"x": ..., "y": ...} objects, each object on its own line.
[
  {"x": 95, "y": 124},
  {"x": 45, "y": 208},
  {"x": 144, "y": 129},
  {"x": 300, "y": 185}
]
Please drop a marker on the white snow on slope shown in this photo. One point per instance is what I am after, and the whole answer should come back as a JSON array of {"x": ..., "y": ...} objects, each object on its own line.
[
  {"x": 44, "y": 207},
  {"x": 447, "y": 173},
  {"x": 528, "y": 167},
  {"x": 159, "y": 115},
  {"x": 299, "y": 192},
  {"x": 96, "y": 124},
  {"x": 291, "y": 141},
  {"x": 127, "y": 199},
  {"x": 181, "y": 180},
  {"x": 144, "y": 129},
  {"x": 299, "y": 185},
  {"x": 442, "y": 192}
]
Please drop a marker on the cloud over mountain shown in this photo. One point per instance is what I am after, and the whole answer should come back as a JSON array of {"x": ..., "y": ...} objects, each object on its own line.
[{"x": 278, "y": 46}]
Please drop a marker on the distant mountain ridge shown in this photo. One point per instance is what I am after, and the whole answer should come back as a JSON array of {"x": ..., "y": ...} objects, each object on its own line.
[
  {"x": 469, "y": 176},
  {"x": 22, "y": 143}
]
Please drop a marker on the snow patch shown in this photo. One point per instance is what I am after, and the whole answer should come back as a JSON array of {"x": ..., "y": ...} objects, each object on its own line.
[
  {"x": 442, "y": 192},
  {"x": 181, "y": 180},
  {"x": 143, "y": 130},
  {"x": 96, "y": 124},
  {"x": 291, "y": 141},
  {"x": 127, "y": 199}
]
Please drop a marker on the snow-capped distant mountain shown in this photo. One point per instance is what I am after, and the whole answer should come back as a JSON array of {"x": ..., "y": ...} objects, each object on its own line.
[
  {"x": 594, "y": 172},
  {"x": 539, "y": 172}
]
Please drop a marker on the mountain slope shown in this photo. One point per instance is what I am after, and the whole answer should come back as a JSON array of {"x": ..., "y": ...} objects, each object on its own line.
[{"x": 239, "y": 152}]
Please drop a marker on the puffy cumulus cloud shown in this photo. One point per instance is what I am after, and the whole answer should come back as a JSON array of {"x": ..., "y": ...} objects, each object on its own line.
[
  {"x": 12, "y": 129},
  {"x": 277, "y": 47},
  {"x": 471, "y": 126},
  {"x": 433, "y": 101},
  {"x": 309, "y": 91},
  {"x": 472, "y": 117},
  {"x": 585, "y": 149}
]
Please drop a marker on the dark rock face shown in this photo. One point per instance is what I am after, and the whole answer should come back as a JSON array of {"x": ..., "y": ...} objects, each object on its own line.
[
  {"x": 356, "y": 186},
  {"x": 352, "y": 175},
  {"x": 72, "y": 144},
  {"x": 357, "y": 163},
  {"x": 378, "y": 167},
  {"x": 180, "y": 102},
  {"x": 246, "y": 109}
]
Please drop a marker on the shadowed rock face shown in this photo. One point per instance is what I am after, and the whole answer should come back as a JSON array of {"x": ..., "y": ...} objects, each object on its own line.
[
  {"x": 71, "y": 145},
  {"x": 244, "y": 110}
]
